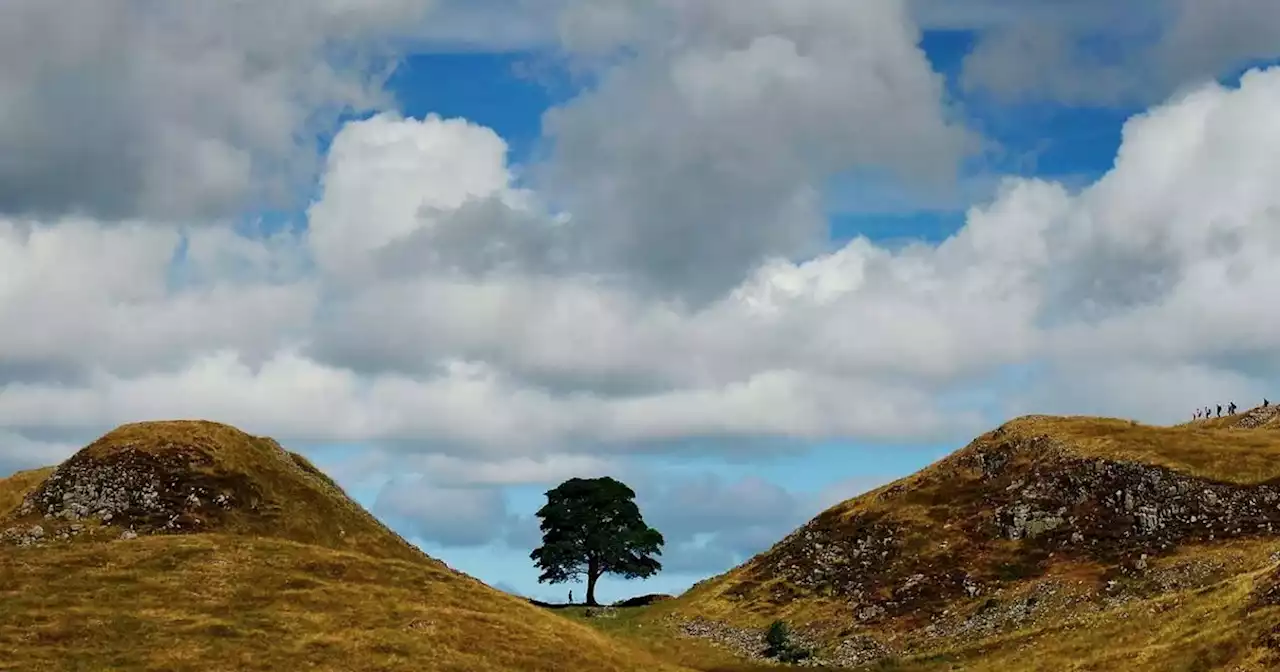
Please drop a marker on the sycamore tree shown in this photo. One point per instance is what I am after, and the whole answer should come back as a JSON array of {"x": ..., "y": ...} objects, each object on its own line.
[{"x": 592, "y": 527}]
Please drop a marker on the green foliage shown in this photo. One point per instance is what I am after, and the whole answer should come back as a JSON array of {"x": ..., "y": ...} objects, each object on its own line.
[
  {"x": 779, "y": 645},
  {"x": 592, "y": 527},
  {"x": 777, "y": 638}
]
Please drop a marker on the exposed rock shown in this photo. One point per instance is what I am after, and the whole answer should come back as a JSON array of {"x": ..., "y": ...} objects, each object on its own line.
[
  {"x": 870, "y": 612},
  {"x": 859, "y": 650},
  {"x": 746, "y": 642},
  {"x": 1258, "y": 417},
  {"x": 750, "y": 642},
  {"x": 1030, "y": 489},
  {"x": 148, "y": 492}
]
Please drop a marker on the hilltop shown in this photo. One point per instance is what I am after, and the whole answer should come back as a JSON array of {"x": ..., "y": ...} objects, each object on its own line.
[
  {"x": 193, "y": 476},
  {"x": 1048, "y": 535},
  {"x": 191, "y": 545}
]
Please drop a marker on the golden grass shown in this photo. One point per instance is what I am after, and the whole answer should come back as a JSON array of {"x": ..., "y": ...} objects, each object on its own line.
[
  {"x": 295, "y": 576},
  {"x": 1188, "y": 631},
  {"x": 287, "y": 496},
  {"x": 13, "y": 488},
  {"x": 310, "y": 580},
  {"x": 1209, "y": 449},
  {"x": 1193, "y": 630},
  {"x": 1199, "y": 630},
  {"x": 232, "y": 602}
]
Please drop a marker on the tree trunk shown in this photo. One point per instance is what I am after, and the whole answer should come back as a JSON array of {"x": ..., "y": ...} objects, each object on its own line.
[{"x": 593, "y": 573}]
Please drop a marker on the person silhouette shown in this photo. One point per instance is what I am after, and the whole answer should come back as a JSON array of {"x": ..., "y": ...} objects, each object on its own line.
[
  {"x": 1265, "y": 403},
  {"x": 1219, "y": 410},
  {"x": 571, "y": 597},
  {"x": 1231, "y": 408}
]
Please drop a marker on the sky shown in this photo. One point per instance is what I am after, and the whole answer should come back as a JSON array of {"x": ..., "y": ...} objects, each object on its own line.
[{"x": 751, "y": 257}]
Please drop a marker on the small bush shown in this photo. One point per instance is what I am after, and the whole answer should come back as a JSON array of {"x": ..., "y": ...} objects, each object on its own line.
[{"x": 779, "y": 645}]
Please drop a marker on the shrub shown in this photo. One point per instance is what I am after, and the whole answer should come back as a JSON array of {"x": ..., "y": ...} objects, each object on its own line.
[{"x": 778, "y": 644}]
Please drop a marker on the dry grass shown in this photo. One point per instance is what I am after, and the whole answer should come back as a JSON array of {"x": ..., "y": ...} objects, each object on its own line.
[
  {"x": 1188, "y": 631},
  {"x": 280, "y": 493},
  {"x": 648, "y": 628},
  {"x": 1193, "y": 630},
  {"x": 296, "y": 577},
  {"x": 232, "y": 602},
  {"x": 1210, "y": 449},
  {"x": 310, "y": 580},
  {"x": 13, "y": 488}
]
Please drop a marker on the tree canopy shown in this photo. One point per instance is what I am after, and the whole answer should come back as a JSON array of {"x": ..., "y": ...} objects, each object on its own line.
[{"x": 591, "y": 527}]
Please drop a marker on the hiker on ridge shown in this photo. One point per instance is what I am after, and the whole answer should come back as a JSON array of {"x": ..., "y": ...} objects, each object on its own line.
[
  {"x": 1231, "y": 408},
  {"x": 1219, "y": 410},
  {"x": 1265, "y": 403},
  {"x": 571, "y": 597}
]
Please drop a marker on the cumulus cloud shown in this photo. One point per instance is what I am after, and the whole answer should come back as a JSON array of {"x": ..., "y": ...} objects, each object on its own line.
[
  {"x": 703, "y": 155},
  {"x": 441, "y": 303},
  {"x": 446, "y": 516},
  {"x": 470, "y": 472},
  {"x": 402, "y": 196},
  {"x": 18, "y": 452},
  {"x": 1164, "y": 261},
  {"x": 1124, "y": 53},
  {"x": 77, "y": 296},
  {"x": 125, "y": 108},
  {"x": 710, "y": 523}
]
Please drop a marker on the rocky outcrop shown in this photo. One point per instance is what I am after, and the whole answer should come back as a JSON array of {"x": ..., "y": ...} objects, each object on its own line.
[
  {"x": 1112, "y": 510},
  {"x": 831, "y": 555},
  {"x": 1262, "y": 416},
  {"x": 750, "y": 643},
  {"x": 745, "y": 642},
  {"x": 982, "y": 542},
  {"x": 143, "y": 492},
  {"x": 1001, "y": 511}
]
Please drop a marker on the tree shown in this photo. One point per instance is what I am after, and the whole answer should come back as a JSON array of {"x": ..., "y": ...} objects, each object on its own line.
[{"x": 592, "y": 527}]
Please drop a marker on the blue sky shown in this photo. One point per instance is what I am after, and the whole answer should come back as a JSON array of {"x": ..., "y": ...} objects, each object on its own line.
[
  {"x": 750, "y": 261},
  {"x": 1042, "y": 139}
]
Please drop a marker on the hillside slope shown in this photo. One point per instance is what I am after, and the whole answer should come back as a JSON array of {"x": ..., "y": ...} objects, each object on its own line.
[
  {"x": 194, "y": 546},
  {"x": 1044, "y": 525}
]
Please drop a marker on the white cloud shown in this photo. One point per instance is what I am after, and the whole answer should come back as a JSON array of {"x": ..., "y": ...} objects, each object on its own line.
[
  {"x": 1119, "y": 53},
  {"x": 443, "y": 515},
  {"x": 388, "y": 178},
  {"x": 703, "y": 155},
  {"x": 438, "y": 307},
  {"x": 76, "y": 295},
  {"x": 459, "y": 471},
  {"x": 18, "y": 452},
  {"x": 129, "y": 108},
  {"x": 710, "y": 523}
]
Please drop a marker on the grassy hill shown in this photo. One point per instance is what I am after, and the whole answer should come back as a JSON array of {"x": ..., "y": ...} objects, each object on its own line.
[
  {"x": 194, "y": 546},
  {"x": 1048, "y": 543}
]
